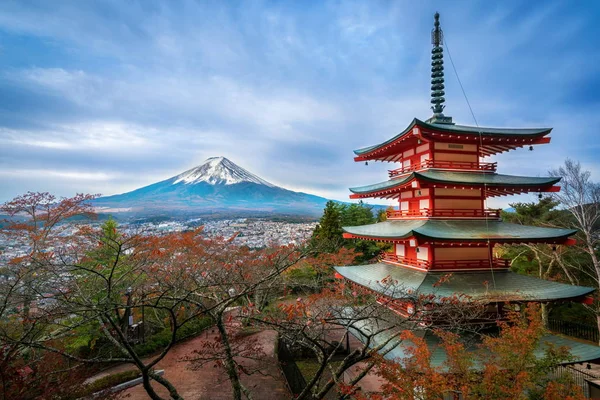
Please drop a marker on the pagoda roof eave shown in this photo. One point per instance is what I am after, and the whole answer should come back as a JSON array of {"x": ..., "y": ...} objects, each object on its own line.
[
  {"x": 489, "y": 286},
  {"x": 459, "y": 231},
  {"x": 458, "y": 178},
  {"x": 408, "y": 129},
  {"x": 528, "y": 133},
  {"x": 580, "y": 352}
]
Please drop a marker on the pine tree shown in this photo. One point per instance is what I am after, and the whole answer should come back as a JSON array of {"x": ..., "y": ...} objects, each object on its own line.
[{"x": 327, "y": 236}]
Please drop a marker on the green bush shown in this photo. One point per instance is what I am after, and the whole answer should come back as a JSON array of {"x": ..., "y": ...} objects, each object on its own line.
[
  {"x": 161, "y": 339},
  {"x": 302, "y": 278},
  {"x": 109, "y": 381},
  {"x": 106, "y": 382}
]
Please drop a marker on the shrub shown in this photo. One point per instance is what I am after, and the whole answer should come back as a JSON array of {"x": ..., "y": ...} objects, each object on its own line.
[
  {"x": 161, "y": 339},
  {"x": 106, "y": 382}
]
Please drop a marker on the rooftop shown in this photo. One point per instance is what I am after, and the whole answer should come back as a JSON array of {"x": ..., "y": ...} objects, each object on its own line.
[
  {"x": 460, "y": 230},
  {"x": 469, "y": 132},
  {"x": 496, "y": 286},
  {"x": 579, "y": 351},
  {"x": 459, "y": 178}
]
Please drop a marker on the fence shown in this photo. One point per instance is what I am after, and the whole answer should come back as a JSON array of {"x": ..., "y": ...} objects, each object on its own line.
[
  {"x": 579, "y": 377},
  {"x": 574, "y": 329}
]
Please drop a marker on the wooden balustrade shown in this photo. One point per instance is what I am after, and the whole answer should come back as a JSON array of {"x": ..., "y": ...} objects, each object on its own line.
[
  {"x": 447, "y": 265},
  {"x": 404, "y": 260},
  {"x": 496, "y": 263},
  {"x": 452, "y": 213},
  {"x": 460, "y": 165}
]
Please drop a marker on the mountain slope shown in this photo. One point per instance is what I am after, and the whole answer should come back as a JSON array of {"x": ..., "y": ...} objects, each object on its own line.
[
  {"x": 216, "y": 185},
  {"x": 219, "y": 170}
]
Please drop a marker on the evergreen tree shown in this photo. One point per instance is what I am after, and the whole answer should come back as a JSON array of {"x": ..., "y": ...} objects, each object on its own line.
[
  {"x": 327, "y": 236},
  {"x": 382, "y": 214},
  {"x": 357, "y": 214}
]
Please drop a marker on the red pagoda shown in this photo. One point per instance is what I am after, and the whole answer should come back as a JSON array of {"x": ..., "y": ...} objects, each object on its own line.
[{"x": 442, "y": 228}]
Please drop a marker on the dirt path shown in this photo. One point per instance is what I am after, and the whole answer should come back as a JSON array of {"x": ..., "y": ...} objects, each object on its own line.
[{"x": 210, "y": 382}]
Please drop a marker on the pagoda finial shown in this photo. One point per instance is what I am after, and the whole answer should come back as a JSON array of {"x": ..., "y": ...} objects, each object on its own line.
[{"x": 437, "y": 73}]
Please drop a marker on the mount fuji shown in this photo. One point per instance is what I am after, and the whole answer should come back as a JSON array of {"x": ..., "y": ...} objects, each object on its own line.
[{"x": 217, "y": 185}]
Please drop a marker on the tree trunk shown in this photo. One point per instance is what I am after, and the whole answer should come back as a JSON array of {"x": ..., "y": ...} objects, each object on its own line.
[
  {"x": 172, "y": 391},
  {"x": 148, "y": 387},
  {"x": 232, "y": 373},
  {"x": 598, "y": 323},
  {"x": 596, "y": 264},
  {"x": 595, "y": 261},
  {"x": 544, "y": 311}
]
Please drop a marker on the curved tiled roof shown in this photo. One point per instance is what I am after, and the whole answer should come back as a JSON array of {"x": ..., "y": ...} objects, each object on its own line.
[
  {"x": 580, "y": 352},
  {"x": 470, "y": 230},
  {"x": 478, "y": 285},
  {"x": 462, "y": 129},
  {"x": 466, "y": 178}
]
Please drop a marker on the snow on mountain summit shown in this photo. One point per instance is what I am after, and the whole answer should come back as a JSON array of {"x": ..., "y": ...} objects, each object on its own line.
[{"x": 219, "y": 171}]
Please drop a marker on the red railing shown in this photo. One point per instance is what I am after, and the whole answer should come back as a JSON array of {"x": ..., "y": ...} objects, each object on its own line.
[
  {"x": 404, "y": 260},
  {"x": 452, "y": 213},
  {"x": 463, "y": 165},
  {"x": 496, "y": 263},
  {"x": 499, "y": 263}
]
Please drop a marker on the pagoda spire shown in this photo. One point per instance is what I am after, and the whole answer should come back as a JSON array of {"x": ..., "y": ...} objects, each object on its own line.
[{"x": 437, "y": 74}]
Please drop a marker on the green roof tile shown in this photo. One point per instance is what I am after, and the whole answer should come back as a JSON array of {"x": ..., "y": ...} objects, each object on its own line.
[
  {"x": 467, "y": 178},
  {"x": 488, "y": 285},
  {"x": 580, "y": 352},
  {"x": 474, "y": 230},
  {"x": 462, "y": 129}
]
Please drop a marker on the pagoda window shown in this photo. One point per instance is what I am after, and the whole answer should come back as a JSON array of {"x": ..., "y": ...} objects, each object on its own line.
[
  {"x": 406, "y": 163},
  {"x": 400, "y": 250},
  {"x": 421, "y": 192},
  {"x": 422, "y": 148},
  {"x": 424, "y": 158},
  {"x": 423, "y": 204},
  {"x": 404, "y": 205},
  {"x": 422, "y": 253}
]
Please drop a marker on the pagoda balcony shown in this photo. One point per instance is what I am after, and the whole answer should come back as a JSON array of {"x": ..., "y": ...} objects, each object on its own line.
[
  {"x": 413, "y": 262},
  {"x": 452, "y": 213},
  {"x": 452, "y": 165},
  {"x": 447, "y": 265}
]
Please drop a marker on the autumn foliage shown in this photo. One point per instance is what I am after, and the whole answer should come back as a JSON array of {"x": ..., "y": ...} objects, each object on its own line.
[
  {"x": 501, "y": 366},
  {"x": 66, "y": 307}
]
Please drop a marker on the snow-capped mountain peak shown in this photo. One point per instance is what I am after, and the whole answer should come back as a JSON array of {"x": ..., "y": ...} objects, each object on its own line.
[{"x": 219, "y": 171}]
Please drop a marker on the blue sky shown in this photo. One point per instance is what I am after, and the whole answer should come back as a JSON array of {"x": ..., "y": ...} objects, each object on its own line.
[{"x": 108, "y": 96}]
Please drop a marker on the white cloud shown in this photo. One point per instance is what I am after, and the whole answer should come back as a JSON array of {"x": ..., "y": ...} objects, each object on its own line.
[
  {"x": 53, "y": 174},
  {"x": 139, "y": 92}
]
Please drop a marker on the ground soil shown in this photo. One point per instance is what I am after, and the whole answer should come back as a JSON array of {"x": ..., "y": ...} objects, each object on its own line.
[{"x": 210, "y": 382}]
